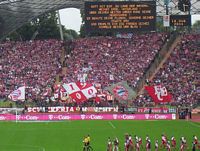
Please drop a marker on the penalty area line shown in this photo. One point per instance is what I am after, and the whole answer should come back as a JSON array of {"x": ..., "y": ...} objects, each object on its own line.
[{"x": 111, "y": 124}]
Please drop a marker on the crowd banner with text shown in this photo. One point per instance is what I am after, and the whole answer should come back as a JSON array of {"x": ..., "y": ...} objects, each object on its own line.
[
  {"x": 65, "y": 109},
  {"x": 157, "y": 109},
  {"x": 159, "y": 93},
  {"x": 61, "y": 117},
  {"x": 120, "y": 16},
  {"x": 121, "y": 91}
]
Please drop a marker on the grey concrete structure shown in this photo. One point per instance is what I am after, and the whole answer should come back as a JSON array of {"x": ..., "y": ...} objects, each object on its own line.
[{"x": 15, "y": 13}]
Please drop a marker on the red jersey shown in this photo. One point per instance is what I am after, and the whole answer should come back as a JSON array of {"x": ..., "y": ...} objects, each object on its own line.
[
  {"x": 173, "y": 142},
  {"x": 140, "y": 141},
  {"x": 195, "y": 140},
  {"x": 164, "y": 140}
]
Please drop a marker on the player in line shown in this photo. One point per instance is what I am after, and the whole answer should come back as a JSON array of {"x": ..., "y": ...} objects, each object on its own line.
[
  {"x": 173, "y": 142},
  {"x": 156, "y": 145},
  {"x": 148, "y": 144},
  {"x": 109, "y": 144},
  {"x": 183, "y": 146},
  {"x": 128, "y": 145},
  {"x": 116, "y": 144},
  {"x": 163, "y": 141},
  {"x": 113, "y": 146},
  {"x": 195, "y": 143}
]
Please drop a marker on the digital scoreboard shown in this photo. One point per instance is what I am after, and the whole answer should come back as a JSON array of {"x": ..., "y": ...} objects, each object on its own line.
[
  {"x": 123, "y": 16},
  {"x": 180, "y": 20}
]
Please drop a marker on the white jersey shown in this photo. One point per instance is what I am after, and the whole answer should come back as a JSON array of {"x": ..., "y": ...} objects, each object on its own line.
[{"x": 156, "y": 145}]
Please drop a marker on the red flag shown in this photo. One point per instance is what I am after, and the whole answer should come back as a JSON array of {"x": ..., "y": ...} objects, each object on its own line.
[
  {"x": 158, "y": 93},
  {"x": 78, "y": 96}
]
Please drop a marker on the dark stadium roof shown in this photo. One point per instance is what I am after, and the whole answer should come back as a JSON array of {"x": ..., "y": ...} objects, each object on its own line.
[{"x": 15, "y": 13}]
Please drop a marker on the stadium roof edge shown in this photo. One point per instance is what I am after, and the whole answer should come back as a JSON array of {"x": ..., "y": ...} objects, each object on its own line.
[{"x": 15, "y": 13}]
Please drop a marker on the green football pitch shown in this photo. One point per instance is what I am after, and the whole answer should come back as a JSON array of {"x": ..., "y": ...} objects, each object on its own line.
[{"x": 68, "y": 135}]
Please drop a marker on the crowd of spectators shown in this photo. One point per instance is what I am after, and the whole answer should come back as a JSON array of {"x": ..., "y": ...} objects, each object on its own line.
[
  {"x": 180, "y": 74},
  {"x": 107, "y": 60},
  {"x": 34, "y": 64},
  {"x": 102, "y": 60}
]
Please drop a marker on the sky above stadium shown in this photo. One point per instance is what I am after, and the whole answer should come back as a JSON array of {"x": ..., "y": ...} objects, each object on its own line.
[{"x": 71, "y": 18}]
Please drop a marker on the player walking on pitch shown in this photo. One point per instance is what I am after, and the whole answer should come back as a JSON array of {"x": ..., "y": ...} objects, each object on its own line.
[
  {"x": 109, "y": 144},
  {"x": 156, "y": 145},
  {"x": 116, "y": 144}
]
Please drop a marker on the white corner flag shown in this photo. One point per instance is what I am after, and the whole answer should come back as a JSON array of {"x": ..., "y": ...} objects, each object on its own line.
[{"x": 18, "y": 94}]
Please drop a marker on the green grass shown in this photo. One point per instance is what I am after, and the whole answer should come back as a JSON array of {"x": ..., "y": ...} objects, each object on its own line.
[{"x": 68, "y": 135}]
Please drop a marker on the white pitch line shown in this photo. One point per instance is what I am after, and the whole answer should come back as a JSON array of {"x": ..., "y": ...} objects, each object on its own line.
[
  {"x": 24, "y": 145},
  {"x": 111, "y": 124},
  {"x": 192, "y": 123}
]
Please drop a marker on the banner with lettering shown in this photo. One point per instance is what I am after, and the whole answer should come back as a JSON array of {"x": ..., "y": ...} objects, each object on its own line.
[
  {"x": 64, "y": 117},
  {"x": 158, "y": 93}
]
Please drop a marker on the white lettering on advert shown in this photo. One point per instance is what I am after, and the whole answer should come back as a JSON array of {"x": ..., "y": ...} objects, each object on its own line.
[
  {"x": 157, "y": 116},
  {"x": 29, "y": 117},
  {"x": 96, "y": 117},
  {"x": 62, "y": 117},
  {"x": 128, "y": 117}
]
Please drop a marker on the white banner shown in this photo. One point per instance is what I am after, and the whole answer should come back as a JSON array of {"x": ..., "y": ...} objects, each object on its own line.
[
  {"x": 166, "y": 20},
  {"x": 18, "y": 94}
]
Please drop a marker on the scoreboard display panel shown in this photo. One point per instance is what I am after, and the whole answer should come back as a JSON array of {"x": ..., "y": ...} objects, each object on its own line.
[
  {"x": 124, "y": 16},
  {"x": 180, "y": 20}
]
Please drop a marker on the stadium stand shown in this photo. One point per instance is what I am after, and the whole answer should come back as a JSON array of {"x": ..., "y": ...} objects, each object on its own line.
[
  {"x": 180, "y": 73},
  {"x": 110, "y": 60},
  {"x": 103, "y": 60},
  {"x": 33, "y": 63}
]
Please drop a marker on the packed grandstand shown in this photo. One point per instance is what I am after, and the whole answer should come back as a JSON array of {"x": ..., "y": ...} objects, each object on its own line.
[
  {"x": 119, "y": 86},
  {"x": 102, "y": 61}
]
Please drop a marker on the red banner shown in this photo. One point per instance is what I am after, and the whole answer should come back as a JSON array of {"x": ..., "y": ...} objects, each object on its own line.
[{"x": 158, "y": 93}]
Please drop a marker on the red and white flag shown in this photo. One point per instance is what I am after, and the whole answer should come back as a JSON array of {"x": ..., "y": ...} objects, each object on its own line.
[
  {"x": 158, "y": 93},
  {"x": 80, "y": 91},
  {"x": 18, "y": 94}
]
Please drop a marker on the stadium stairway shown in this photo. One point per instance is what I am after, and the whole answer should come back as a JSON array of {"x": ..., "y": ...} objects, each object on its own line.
[
  {"x": 158, "y": 62},
  {"x": 64, "y": 68}
]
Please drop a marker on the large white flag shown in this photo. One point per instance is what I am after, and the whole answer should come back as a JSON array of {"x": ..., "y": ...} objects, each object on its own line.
[{"x": 18, "y": 94}]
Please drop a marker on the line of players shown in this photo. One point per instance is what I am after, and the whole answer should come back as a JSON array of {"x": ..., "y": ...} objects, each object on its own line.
[{"x": 166, "y": 144}]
